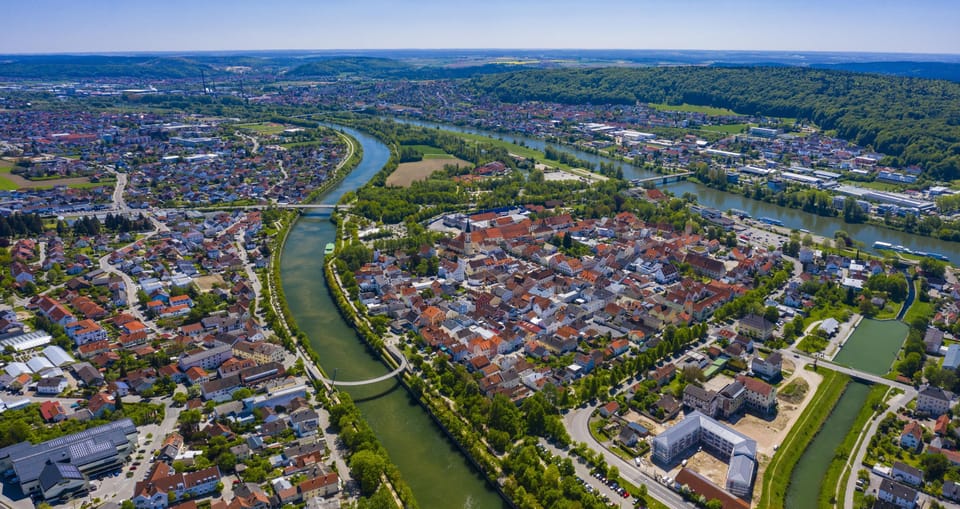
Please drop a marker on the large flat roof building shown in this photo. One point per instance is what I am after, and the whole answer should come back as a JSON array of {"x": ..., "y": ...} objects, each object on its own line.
[
  {"x": 93, "y": 451},
  {"x": 698, "y": 429}
]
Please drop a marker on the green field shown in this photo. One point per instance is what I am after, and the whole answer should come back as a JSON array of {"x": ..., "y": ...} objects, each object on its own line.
[
  {"x": 6, "y": 184},
  {"x": 726, "y": 128},
  {"x": 431, "y": 152},
  {"x": 528, "y": 153},
  {"x": 692, "y": 108},
  {"x": 263, "y": 128}
]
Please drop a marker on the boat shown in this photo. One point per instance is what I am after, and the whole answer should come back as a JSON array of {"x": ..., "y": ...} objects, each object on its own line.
[
  {"x": 770, "y": 220},
  {"x": 882, "y": 245},
  {"x": 328, "y": 249}
]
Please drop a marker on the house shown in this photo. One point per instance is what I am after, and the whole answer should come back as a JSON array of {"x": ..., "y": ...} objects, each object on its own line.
[
  {"x": 897, "y": 494},
  {"x": 304, "y": 421},
  {"x": 700, "y": 399},
  {"x": 85, "y": 331},
  {"x": 951, "y": 360},
  {"x": 101, "y": 402},
  {"x": 320, "y": 486},
  {"x": 62, "y": 481},
  {"x": 951, "y": 491},
  {"x": 933, "y": 340},
  {"x": 164, "y": 486},
  {"x": 664, "y": 374},
  {"x": 769, "y": 368},
  {"x": 52, "y": 386},
  {"x": 756, "y": 326},
  {"x": 933, "y": 401},
  {"x": 912, "y": 436},
  {"x": 52, "y": 411},
  {"x": 760, "y": 396},
  {"x": 609, "y": 409},
  {"x": 906, "y": 474},
  {"x": 941, "y": 427}
]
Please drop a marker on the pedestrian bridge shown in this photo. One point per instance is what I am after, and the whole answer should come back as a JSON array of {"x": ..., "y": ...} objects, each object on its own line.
[{"x": 396, "y": 354}]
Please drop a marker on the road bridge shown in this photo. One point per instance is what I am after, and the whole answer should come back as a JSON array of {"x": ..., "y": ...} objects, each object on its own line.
[{"x": 662, "y": 179}]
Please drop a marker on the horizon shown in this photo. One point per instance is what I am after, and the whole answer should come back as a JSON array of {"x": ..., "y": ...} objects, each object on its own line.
[{"x": 50, "y": 27}]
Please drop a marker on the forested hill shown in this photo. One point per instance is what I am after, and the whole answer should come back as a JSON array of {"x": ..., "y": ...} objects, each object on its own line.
[{"x": 914, "y": 120}]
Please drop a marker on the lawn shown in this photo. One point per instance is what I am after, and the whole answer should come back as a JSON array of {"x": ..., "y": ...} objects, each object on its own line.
[
  {"x": 777, "y": 476},
  {"x": 513, "y": 148},
  {"x": 692, "y": 108},
  {"x": 918, "y": 309}
]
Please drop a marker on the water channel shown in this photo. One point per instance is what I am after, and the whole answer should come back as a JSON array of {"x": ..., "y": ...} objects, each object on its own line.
[
  {"x": 439, "y": 475},
  {"x": 808, "y": 473},
  {"x": 721, "y": 200}
]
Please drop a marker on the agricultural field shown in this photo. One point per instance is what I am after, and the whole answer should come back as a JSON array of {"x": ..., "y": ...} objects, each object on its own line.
[{"x": 407, "y": 173}]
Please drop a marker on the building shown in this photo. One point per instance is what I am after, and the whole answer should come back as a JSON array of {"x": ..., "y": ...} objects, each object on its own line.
[
  {"x": 933, "y": 340},
  {"x": 760, "y": 396},
  {"x": 260, "y": 351},
  {"x": 93, "y": 451},
  {"x": 700, "y": 399},
  {"x": 906, "y": 474},
  {"x": 756, "y": 326},
  {"x": 209, "y": 359},
  {"x": 912, "y": 436},
  {"x": 154, "y": 492},
  {"x": 221, "y": 389},
  {"x": 703, "y": 486},
  {"x": 769, "y": 368},
  {"x": 952, "y": 358},
  {"x": 62, "y": 481},
  {"x": 933, "y": 401},
  {"x": 897, "y": 494},
  {"x": 320, "y": 486},
  {"x": 51, "y": 386},
  {"x": 85, "y": 331},
  {"x": 699, "y": 430}
]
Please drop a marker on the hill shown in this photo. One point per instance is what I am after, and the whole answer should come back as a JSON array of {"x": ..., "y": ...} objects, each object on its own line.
[{"x": 917, "y": 121}]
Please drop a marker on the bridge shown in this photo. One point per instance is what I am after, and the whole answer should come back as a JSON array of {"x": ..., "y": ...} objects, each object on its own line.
[
  {"x": 662, "y": 179},
  {"x": 396, "y": 354}
]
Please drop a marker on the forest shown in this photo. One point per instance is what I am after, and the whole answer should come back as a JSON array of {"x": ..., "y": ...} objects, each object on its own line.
[{"x": 914, "y": 121}]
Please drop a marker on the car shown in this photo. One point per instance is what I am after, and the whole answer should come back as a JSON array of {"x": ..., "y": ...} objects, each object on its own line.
[{"x": 133, "y": 467}]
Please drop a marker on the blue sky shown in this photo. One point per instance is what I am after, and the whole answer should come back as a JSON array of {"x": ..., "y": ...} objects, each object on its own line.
[{"x": 918, "y": 26}]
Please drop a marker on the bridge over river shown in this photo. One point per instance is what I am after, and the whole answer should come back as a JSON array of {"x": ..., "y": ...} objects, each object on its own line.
[{"x": 396, "y": 354}]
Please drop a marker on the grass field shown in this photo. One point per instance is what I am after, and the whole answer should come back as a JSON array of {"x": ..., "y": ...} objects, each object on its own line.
[
  {"x": 692, "y": 108},
  {"x": 5, "y": 183},
  {"x": 918, "y": 309},
  {"x": 526, "y": 152},
  {"x": 407, "y": 173},
  {"x": 777, "y": 475},
  {"x": 428, "y": 150},
  {"x": 725, "y": 128},
  {"x": 263, "y": 128},
  {"x": 10, "y": 182}
]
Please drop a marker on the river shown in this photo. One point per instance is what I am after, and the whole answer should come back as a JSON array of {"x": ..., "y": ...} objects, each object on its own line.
[
  {"x": 721, "y": 200},
  {"x": 439, "y": 475}
]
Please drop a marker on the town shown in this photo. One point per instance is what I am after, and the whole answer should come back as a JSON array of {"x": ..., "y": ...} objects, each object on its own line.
[{"x": 574, "y": 330}]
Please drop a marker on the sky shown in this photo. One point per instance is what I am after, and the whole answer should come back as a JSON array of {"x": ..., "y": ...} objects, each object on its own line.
[{"x": 56, "y": 26}]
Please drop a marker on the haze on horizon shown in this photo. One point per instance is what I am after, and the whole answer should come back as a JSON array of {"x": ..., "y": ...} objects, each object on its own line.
[{"x": 59, "y": 26}]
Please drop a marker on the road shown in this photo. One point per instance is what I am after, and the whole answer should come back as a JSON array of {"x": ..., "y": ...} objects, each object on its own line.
[
  {"x": 578, "y": 425},
  {"x": 896, "y": 404}
]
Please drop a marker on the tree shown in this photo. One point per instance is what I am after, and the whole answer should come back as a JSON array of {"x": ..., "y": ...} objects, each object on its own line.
[
  {"x": 367, "y": 467},
  {"x": 771, "y": 314},
  {"x": 180, "y": 399},
  {"x": 934, "y": 466}
]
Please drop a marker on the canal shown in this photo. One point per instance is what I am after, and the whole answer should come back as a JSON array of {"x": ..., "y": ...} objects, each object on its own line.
[
  {"x": 721, "y": 200},
  {"x": 807, "y": 477},
  {"x": 873, "y": 346},
  {"x": 439, "y": 475}
]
